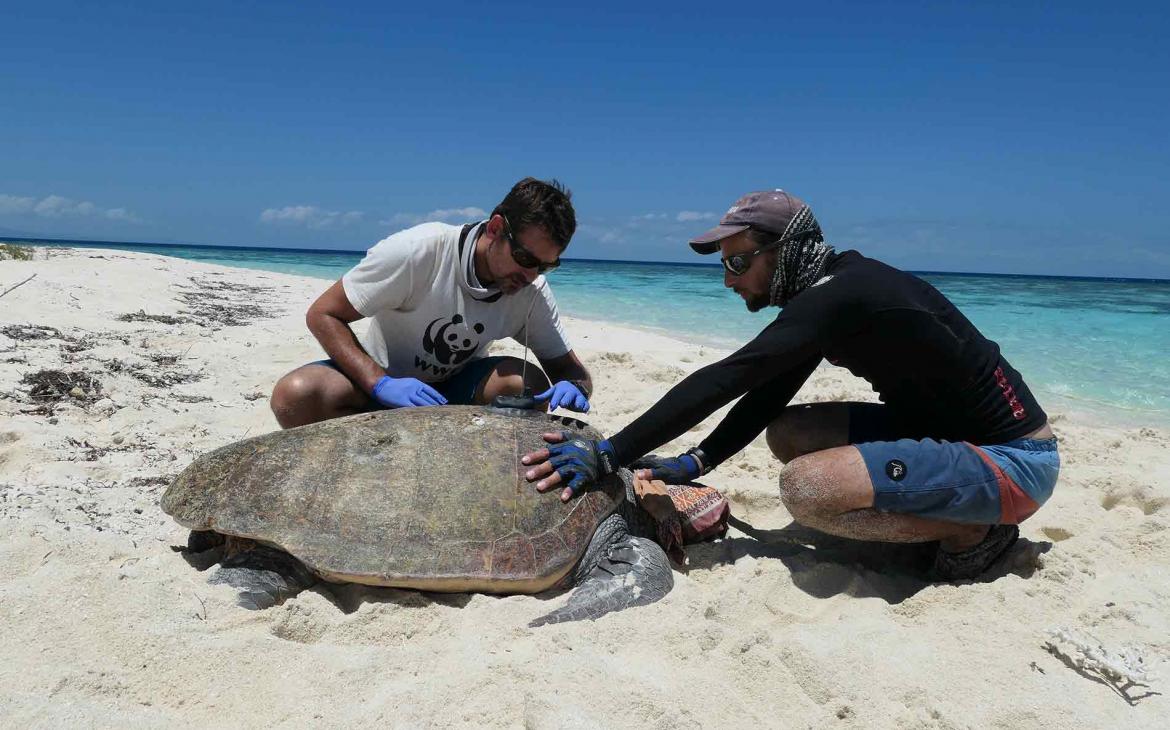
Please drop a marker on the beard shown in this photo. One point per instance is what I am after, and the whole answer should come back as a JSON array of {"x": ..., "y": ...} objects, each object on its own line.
[{"x": 756, "y": 303}]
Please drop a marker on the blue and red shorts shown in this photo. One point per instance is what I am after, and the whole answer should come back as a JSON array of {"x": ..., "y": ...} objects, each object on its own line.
[{"x": 953, "y": 480}]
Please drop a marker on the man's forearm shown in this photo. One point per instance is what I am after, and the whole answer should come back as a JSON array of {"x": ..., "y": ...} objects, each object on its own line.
[{"x": 342, "y": 346}]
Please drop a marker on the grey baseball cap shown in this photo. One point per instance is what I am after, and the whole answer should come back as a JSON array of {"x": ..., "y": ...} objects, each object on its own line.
[{"x": 769, "y": 210}]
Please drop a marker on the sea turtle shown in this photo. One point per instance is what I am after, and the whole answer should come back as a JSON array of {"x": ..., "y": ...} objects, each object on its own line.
[{"x": 430, "y": 498}]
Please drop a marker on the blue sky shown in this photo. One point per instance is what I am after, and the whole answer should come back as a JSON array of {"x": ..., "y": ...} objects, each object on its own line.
[{"x": 1002, "y": 137}]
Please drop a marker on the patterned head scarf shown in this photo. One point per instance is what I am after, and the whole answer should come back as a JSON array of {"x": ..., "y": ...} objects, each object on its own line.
[{"x": 801, "y": 262}]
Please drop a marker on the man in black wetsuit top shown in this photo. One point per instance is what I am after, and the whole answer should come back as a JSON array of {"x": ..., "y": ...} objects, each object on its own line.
[{"x": 957, "y": 451}]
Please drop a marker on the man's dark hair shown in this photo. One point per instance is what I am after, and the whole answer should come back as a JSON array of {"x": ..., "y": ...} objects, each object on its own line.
[
  {"x": 761, "y": 237},
  {"x": 533, "y": 202}
]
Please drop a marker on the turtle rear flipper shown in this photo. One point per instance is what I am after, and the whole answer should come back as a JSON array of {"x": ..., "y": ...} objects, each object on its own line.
[
  {"x": 635, "y": 571},
  {"x": 263, "y": 576}
]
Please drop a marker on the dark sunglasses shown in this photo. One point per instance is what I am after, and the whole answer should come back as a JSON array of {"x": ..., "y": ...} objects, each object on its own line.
[
  {"x": 523, "y": 256},
  {"x": 738, "y": 264}
]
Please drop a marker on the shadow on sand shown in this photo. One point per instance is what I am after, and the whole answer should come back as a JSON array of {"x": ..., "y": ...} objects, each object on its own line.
[
  {"x": 823, "y": 565},
  {"x": 349, "y": 597}
]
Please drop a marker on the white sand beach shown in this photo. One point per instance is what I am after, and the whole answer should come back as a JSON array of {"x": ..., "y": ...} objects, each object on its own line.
[{"x": 103, "y": 624}]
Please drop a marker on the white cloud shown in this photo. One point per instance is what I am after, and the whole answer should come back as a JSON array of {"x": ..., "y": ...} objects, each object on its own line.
[
  {"x": 58, "y": 206},
  {"x": 120, "y": 214},
  {"x": 646, "y": 229},
  {"x": 687, "y": 216},
  {"x": 14, "y": 204},
  {"x": 310, "y": 216},
  {"x": 445, "y": 215}
]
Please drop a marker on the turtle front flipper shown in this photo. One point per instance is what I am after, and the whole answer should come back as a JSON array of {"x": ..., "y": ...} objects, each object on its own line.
[
  {"x": 263, "y": 576},
  {"x": 634, "y": 571}
]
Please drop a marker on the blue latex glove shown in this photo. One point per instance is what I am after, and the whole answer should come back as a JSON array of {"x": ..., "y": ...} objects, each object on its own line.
[
  {"x": 565, "y": 395},
  {"x": 581, "y": 462},
  {"x": 678, "y": 470},
  {"x": 406, "y": 392}
]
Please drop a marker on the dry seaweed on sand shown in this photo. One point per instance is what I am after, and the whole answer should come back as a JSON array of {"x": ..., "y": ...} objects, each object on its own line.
[
  {"x": 164, "y": 360},
  {"x": 93, "y": 453},
  {"x": 160, "y": 377},
  {"x": 30, "y": 332},
  {"x": 57, "y": 385},
  {"x": 213, "y": 303},
  {"x": 164, "y": 379},
  {"x": 184, "y": 398},
  {"x": 207, "y": 313},
  {"x": 78, "y": 344},
  {"x": 151, "y": 483},
  {"x": 142, "y": 316}
]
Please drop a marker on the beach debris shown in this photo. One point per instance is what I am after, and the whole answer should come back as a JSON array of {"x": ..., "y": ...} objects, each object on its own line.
[
  {"x": 142, "y": 316},
  {"x": 160, "y": 377},
  {"x": 77, "y": 344},
  {"x": 30, "y": 332},
  {"x": 14, "y": 286},
  {"x": 1121, "y": 670},
  {"x": 52, "y": 386},
  {"x": 184, "y": 398},
  {"x": 151, "y": 483},
  {"x": 213, "y": 303},
  {"x": 93, "y": 453}
]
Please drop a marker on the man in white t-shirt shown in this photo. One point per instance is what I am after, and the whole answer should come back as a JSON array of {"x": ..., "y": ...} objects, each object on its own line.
[{"x": 437, "y": 295}]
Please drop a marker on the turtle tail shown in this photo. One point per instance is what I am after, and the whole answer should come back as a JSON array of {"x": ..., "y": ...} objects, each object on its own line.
[{"x": 619, "y": 570}]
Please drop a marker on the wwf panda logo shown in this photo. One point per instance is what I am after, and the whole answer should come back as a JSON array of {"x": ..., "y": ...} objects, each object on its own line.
[{"x": 451, "y": 341}]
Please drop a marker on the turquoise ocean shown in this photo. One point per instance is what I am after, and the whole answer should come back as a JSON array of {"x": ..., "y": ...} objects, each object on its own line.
[{"x": 1100, "y": 346}]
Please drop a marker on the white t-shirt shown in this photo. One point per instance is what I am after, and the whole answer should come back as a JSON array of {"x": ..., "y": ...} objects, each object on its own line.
[{"x": 429, "y": 316}]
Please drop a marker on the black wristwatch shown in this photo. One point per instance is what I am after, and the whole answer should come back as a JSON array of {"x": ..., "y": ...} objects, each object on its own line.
[
  {"x": 698, "y": 455},
  {"x": 582, "y": 386}
]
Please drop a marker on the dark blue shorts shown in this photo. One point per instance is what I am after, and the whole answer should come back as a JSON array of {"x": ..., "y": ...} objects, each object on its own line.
[
  {"x": 459, "y": 389},
  {"x": 952, "y": 480}
]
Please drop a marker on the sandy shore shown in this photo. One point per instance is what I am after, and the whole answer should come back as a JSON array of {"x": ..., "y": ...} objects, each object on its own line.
[{"x": 102, "y": 624}]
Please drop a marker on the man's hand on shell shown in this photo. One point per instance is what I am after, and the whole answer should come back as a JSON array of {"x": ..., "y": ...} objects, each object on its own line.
[{"x": 571, "y": 461}]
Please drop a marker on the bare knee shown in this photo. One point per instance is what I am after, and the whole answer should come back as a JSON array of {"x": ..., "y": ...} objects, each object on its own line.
[
  {"x": 510, "y": 376},
  {"x": 289, "y": 396},
  {"x": 822, "y": 485},
  {"x": 311, "y": 394},
  {"x": 799, "y": 490}
]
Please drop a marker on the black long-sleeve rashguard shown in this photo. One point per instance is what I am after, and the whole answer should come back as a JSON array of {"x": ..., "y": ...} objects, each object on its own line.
[{"x": 926, "y": 361}]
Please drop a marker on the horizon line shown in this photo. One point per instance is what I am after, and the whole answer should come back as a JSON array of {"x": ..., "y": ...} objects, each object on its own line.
[{"x": 639, "y": 262}]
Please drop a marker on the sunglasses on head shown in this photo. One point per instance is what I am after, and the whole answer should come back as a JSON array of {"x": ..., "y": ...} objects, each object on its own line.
[
  {"x": 523, "y": 256},
  {"x": 738, "y": 263}
]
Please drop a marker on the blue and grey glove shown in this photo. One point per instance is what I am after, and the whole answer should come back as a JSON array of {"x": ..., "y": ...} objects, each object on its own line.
[
  {"x": 680, "y": 469},
  {"x": 676, "y": 470},
  {"x": 406, "y": 392},
  {"x": 581, "y": 462},
  {"x": 565, "y": 394}
]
